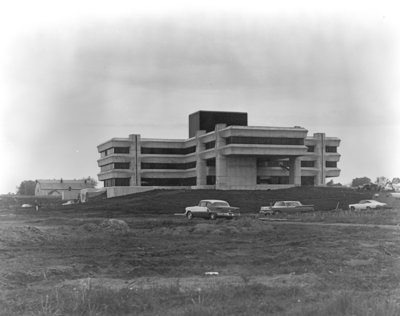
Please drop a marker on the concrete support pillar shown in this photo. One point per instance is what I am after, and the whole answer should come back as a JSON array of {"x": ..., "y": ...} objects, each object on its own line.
[
  {"x": 221, "y": 172},
  {"x": 201, "y": 164},
  {"x": 320, "y": 161},
  {"x": 134, "y": 151},
  {"x": 295, "y": 170}
]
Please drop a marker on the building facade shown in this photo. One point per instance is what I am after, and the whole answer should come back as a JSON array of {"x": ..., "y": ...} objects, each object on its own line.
[
  {"x": 226, "y": 156},
  {"x": 66, "y": 189}
]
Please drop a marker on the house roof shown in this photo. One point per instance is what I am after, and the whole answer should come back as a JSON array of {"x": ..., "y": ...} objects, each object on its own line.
[{"x": 64, "y": 185}]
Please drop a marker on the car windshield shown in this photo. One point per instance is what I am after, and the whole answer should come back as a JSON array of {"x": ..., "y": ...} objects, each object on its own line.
[{"x": 220, "y": 203}]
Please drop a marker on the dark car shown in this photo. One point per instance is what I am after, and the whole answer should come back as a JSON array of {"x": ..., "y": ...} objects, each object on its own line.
[
  {"x": 212, "y": 209},
  {"x": 286, "y": 207}
]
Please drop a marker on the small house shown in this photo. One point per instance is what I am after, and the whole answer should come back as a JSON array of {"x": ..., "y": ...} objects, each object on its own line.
[{"x": 67, "y": 189}]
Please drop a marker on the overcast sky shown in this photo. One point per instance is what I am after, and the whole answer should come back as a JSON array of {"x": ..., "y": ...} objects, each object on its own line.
[{"x": 74, "y": 76}]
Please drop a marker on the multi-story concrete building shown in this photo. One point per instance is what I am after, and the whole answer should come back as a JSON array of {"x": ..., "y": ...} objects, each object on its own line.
[{"x": 222, "y": 152}]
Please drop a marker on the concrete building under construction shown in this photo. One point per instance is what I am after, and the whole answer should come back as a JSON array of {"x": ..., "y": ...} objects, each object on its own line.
[{"x": 222, "y": 152}]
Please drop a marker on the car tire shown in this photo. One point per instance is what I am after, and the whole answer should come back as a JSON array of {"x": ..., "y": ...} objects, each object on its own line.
[
  {"x": 276, "y": 212},
  {"x": 368, "y": 208},
  {"x": 213, "y": 216},
  {"x": 189, "y": 215},
  {"x": 352, "y": 208}
]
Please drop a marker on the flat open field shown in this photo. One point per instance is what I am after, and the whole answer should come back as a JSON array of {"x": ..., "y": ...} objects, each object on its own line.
[{"x": 132, "y": 256}]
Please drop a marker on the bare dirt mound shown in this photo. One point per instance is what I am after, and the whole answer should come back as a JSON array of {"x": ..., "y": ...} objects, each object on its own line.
[
  {"x": 15, "y": 235},
  {"x": 112, "y": 226},
  {"x": 221, "y": 227}
]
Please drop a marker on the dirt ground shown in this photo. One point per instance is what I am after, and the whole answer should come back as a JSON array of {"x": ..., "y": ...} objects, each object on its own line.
[{"x": 41, "y": 251}]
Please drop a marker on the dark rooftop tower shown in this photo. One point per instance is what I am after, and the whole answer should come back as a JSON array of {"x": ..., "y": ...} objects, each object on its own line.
[{"x": 206, "y": 120}]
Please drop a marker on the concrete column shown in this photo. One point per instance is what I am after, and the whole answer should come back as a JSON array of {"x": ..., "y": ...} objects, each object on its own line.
[
  {"x": 201, "y": 164},
  {"x": 221, "y": 173},
  {"x": 134, "y": 151},
  {"x": 295, "y": 170},
  {"x": 320, "y": 162}
]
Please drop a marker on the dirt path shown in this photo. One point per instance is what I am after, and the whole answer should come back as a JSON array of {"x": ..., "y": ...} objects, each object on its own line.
[{"x": 275, "y": 222}]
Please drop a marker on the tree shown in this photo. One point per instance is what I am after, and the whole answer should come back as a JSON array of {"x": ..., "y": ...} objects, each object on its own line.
[
  {"x": 360, "y": 181},
  {"x": 91, "y": 180},
  {"x": 27, "y": 187},
  {"x": 396, "y": 180},
  {"x": 381, "y": 180},
  {"x": 330, "y": 183},
  {"x": 333, "y": 184}
]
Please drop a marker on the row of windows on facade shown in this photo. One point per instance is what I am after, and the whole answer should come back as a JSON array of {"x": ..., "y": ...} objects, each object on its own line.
[
  {"x": 114, "y": 150},
  {"x": 230, "y": 140},
  {"x": 211, "y": 180},
  {"x": 152, "y": 182},
  {"x": 210, "y": 163}
]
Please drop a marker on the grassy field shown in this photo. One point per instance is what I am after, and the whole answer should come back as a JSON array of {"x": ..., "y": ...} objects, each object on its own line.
[{"x": 132, "y": 256}]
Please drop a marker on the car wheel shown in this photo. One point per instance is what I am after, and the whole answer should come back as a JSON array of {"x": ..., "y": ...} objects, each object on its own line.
[
  {"x": 368, "y": 208},
  {"x": 189, "y": 215},
  {"x": 276, "y": 212},
  {"x": 213, "y": 216},
  {"x": 352, "y": 208}
]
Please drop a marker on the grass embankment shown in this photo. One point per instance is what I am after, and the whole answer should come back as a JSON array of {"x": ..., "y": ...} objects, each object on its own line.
[{"x": 175, "y": 201}]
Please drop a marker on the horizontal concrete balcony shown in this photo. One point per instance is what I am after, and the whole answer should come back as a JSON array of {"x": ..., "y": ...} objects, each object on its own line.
[
  {"x": 307, "y": 157},
  {"x": 207, "y": 154},
  {"x": 209, "y": 137},
  {"x": 168, "y": 158},
  {"x": 114, "y": 142},
  {"x": 125, "y": 173},
  {"x": 168, "y": 173},
  {"x": 309, "y": 171},
  {"x": 166, "y": 143},
  {"x": 259, "y": 131},
  {"x": 311, "y": 155},
  {"x": 332, "y": 141},
  {"x": 309, "y": 141},
  {"x": 332, "y": 172},
  {"x": 263, "y": 150},
  {"x": 114, "y": 158},
  {"x": 332, "y": 156}
]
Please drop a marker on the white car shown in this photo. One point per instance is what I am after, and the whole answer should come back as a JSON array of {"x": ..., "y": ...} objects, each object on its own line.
[
  {"x": 68, "y": 202},
  {"x": 212, "y": 209},
  {"x": 367, "y": 205}
]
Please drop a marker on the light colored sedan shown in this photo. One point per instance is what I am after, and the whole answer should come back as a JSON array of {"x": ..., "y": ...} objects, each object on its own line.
[
  {"x": 286, "y": 207},
  {"x": 212, "y": 209},
  {"x": 367, "y": 205}
]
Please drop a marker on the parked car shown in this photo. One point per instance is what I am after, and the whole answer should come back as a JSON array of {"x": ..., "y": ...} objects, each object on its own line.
[
  {"x": 212, "y": 209},
  {"x": 286, "y": 207},
  {"x": 367, "y": 205}
]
